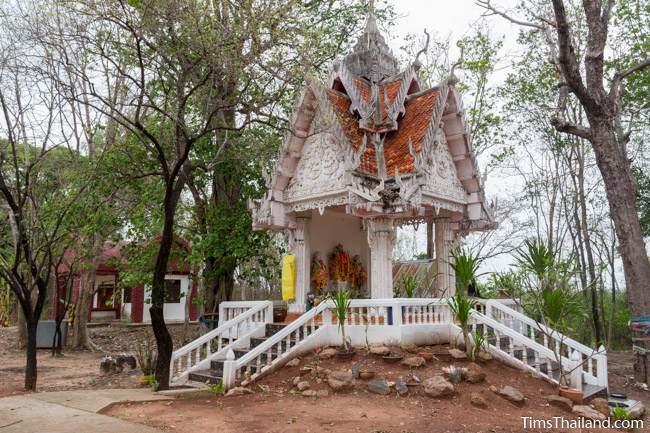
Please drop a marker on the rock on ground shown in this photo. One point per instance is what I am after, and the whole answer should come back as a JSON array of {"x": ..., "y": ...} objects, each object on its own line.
[
  {"x": 601, "y": 405},
  {"x": 559, "y": 401},
  {"x": 293, "y": 363},
  {"x": 328, "y": 353},
  {"x": 478, "y": 400},
  {"x": 400, "y": 386},
  {"x": 302, "y": 386},
  {"x": 588, "y": 412},
  {"x": 309, "y": 393},
  {"x": 409, "y": 347},
  {"x": 428, "y": 356},
  {"x": 379, "y": 386},
  {"x": 238, "y": 390},
  {"x": 457, "y": 354},
  {"x": 484, "y": 356},
  {"x": 340, "y": 380},
  {"x": 414, "y": 361},
  {"x": 379, "y": 350},
  {"x": 438, "y": 386},
  {"x": 637, "y": 411},
  {"x": 473, "y": 373},
  {"x": 513, "y": 395}
]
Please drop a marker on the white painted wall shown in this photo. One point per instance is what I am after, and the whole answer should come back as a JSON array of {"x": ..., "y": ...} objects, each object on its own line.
[
  {"x": 333, "y": 228},
  {"x": 174, "y": 311}
]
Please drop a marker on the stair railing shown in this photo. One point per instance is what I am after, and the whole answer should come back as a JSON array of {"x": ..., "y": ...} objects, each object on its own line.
[
  {"x": 198, "y": 353},
  {"x": 228, "y": 310},
  {"x": 594, "y": 362},
  {"x": 514, "y": 348},
  {"x": 274, "y": 350}
]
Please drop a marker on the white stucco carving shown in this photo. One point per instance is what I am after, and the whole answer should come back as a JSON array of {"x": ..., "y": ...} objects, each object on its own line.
[{"x": 441, "y": 176}]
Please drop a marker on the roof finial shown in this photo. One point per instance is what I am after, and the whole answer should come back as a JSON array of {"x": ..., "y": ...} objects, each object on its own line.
[{"x": 371, "y": 20}]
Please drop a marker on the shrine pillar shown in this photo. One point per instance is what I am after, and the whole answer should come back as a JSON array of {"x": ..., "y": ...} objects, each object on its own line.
[
  {"x": 381, "y": 238},
  {"x": 445, "y": 243},
  {"x": 301, "y": 250}
]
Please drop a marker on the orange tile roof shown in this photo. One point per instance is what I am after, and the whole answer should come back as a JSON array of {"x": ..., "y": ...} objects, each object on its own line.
[
  {"x": 350, "y": 126},
  {"x": 391, "y": 88},
  {"x": 414, "y": 125}
]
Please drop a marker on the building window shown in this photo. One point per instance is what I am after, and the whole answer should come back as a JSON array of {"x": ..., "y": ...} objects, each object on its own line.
[
  {"x": 105, "y": 294},
  {"x": 127, "y": 295},
  {"x": 172, "y": 291}
]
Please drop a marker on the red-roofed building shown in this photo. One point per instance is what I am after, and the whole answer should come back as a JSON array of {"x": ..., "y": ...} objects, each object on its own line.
[
  {"x": 112, "y": 302},
  {"x": 370, "y": 150}
]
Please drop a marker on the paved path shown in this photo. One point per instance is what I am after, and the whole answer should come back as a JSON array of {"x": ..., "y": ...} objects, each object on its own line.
[{"x": 70, "y": 412}]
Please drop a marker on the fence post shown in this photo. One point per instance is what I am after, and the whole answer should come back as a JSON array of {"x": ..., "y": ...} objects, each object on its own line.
[
  {"x": 222, "y": 312},
  {"x": 327, "y": 316},
  {"x": 229, "y": 376},
  {"x": 576, "y": 370},
  {"x": 269, "y": 312},
  {"x": 397, "y": 314},
  {"x": 601, "y": 367}
]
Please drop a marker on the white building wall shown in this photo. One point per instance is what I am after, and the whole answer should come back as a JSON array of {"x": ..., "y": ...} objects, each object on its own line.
[{"x": 175, "y": 311}]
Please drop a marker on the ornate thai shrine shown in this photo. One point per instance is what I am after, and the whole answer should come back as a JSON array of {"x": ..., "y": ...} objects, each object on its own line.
[{"x": 368, "y": 151}]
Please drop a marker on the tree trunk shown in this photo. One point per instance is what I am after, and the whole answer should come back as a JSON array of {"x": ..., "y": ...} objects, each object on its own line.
[
  {"x": 82, "y": 309},
  {"x": 31, "y": 362},
  {"x": 164, "y": 342},
  {"x": 621, "y": 194},
  {"x": 21, "y": 324}
]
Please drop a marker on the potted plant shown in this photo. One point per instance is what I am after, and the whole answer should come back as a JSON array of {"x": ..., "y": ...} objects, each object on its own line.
[
  {"x": 461, "y": 307},
  {"x": 465, "y": 266},
  {"x": 341, "y": 301}
]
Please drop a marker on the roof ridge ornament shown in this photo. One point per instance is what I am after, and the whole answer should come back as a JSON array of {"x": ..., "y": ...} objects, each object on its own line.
[{"x": 371, "y": 57}]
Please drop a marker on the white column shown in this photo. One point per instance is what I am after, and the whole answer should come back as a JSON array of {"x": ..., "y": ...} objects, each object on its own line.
[
  {"x": 381, "y": 237},
  {"x": 301, "y": 250},
  {"x": 444, "y": 271}
]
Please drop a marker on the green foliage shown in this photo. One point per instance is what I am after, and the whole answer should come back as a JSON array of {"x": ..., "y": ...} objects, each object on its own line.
[
  {"x": 341, "y": 300},
  {"x": 216, "y": 389},
  {"x": 409, "y": 285},
  {"x": 620, "y": 413},
  {"x": 465, "y": 264},
  {"x": 461, "y": 308},
  {"x": 152, "y": 382},
  {"x": 535, "y": 257},
  {"x": 480, "y": 344}
]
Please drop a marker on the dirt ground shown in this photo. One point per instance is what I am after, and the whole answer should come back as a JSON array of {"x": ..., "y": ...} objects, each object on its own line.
[
  {"x": 277, "y": 407},
  {"x": 77, "y": 369}
]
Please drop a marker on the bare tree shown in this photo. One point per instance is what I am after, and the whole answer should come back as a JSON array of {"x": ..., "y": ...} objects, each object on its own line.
[{"x": 601, "y": 97}]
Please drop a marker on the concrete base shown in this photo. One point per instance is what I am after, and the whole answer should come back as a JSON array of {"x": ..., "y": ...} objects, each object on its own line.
[{"x": 28, "y": 414}]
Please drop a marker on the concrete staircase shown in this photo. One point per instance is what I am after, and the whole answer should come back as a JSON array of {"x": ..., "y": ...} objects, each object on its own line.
[{"x": 214, "y": 374}]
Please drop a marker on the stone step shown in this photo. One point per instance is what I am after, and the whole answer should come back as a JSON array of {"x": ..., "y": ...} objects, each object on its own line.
[
  {"x": 273, "y": 328},
  {"x": 206, "y": 376}
]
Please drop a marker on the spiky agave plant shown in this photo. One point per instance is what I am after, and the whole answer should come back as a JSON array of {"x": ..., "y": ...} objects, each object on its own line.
[
  {"x": 461, "y": 307},
  {"x": 341, "y": 301},
  {"x": 409, "y": 285},
  {"x": 465, "y": 266}
]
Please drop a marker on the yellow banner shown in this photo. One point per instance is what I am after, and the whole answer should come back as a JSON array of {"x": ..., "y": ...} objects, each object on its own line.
[{"x": 288, "y": 277}]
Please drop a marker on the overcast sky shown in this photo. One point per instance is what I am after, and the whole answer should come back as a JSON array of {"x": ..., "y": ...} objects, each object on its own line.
[
  {"x": 452, "y": 19},
  {"x": 447, "y": 18}
]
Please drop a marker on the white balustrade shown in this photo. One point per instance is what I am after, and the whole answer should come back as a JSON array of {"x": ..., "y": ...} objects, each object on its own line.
[
  {"x": 510, "y": 335},
  {"x": 553, "y": 340},
  {"x": 199, "y": 352}
]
